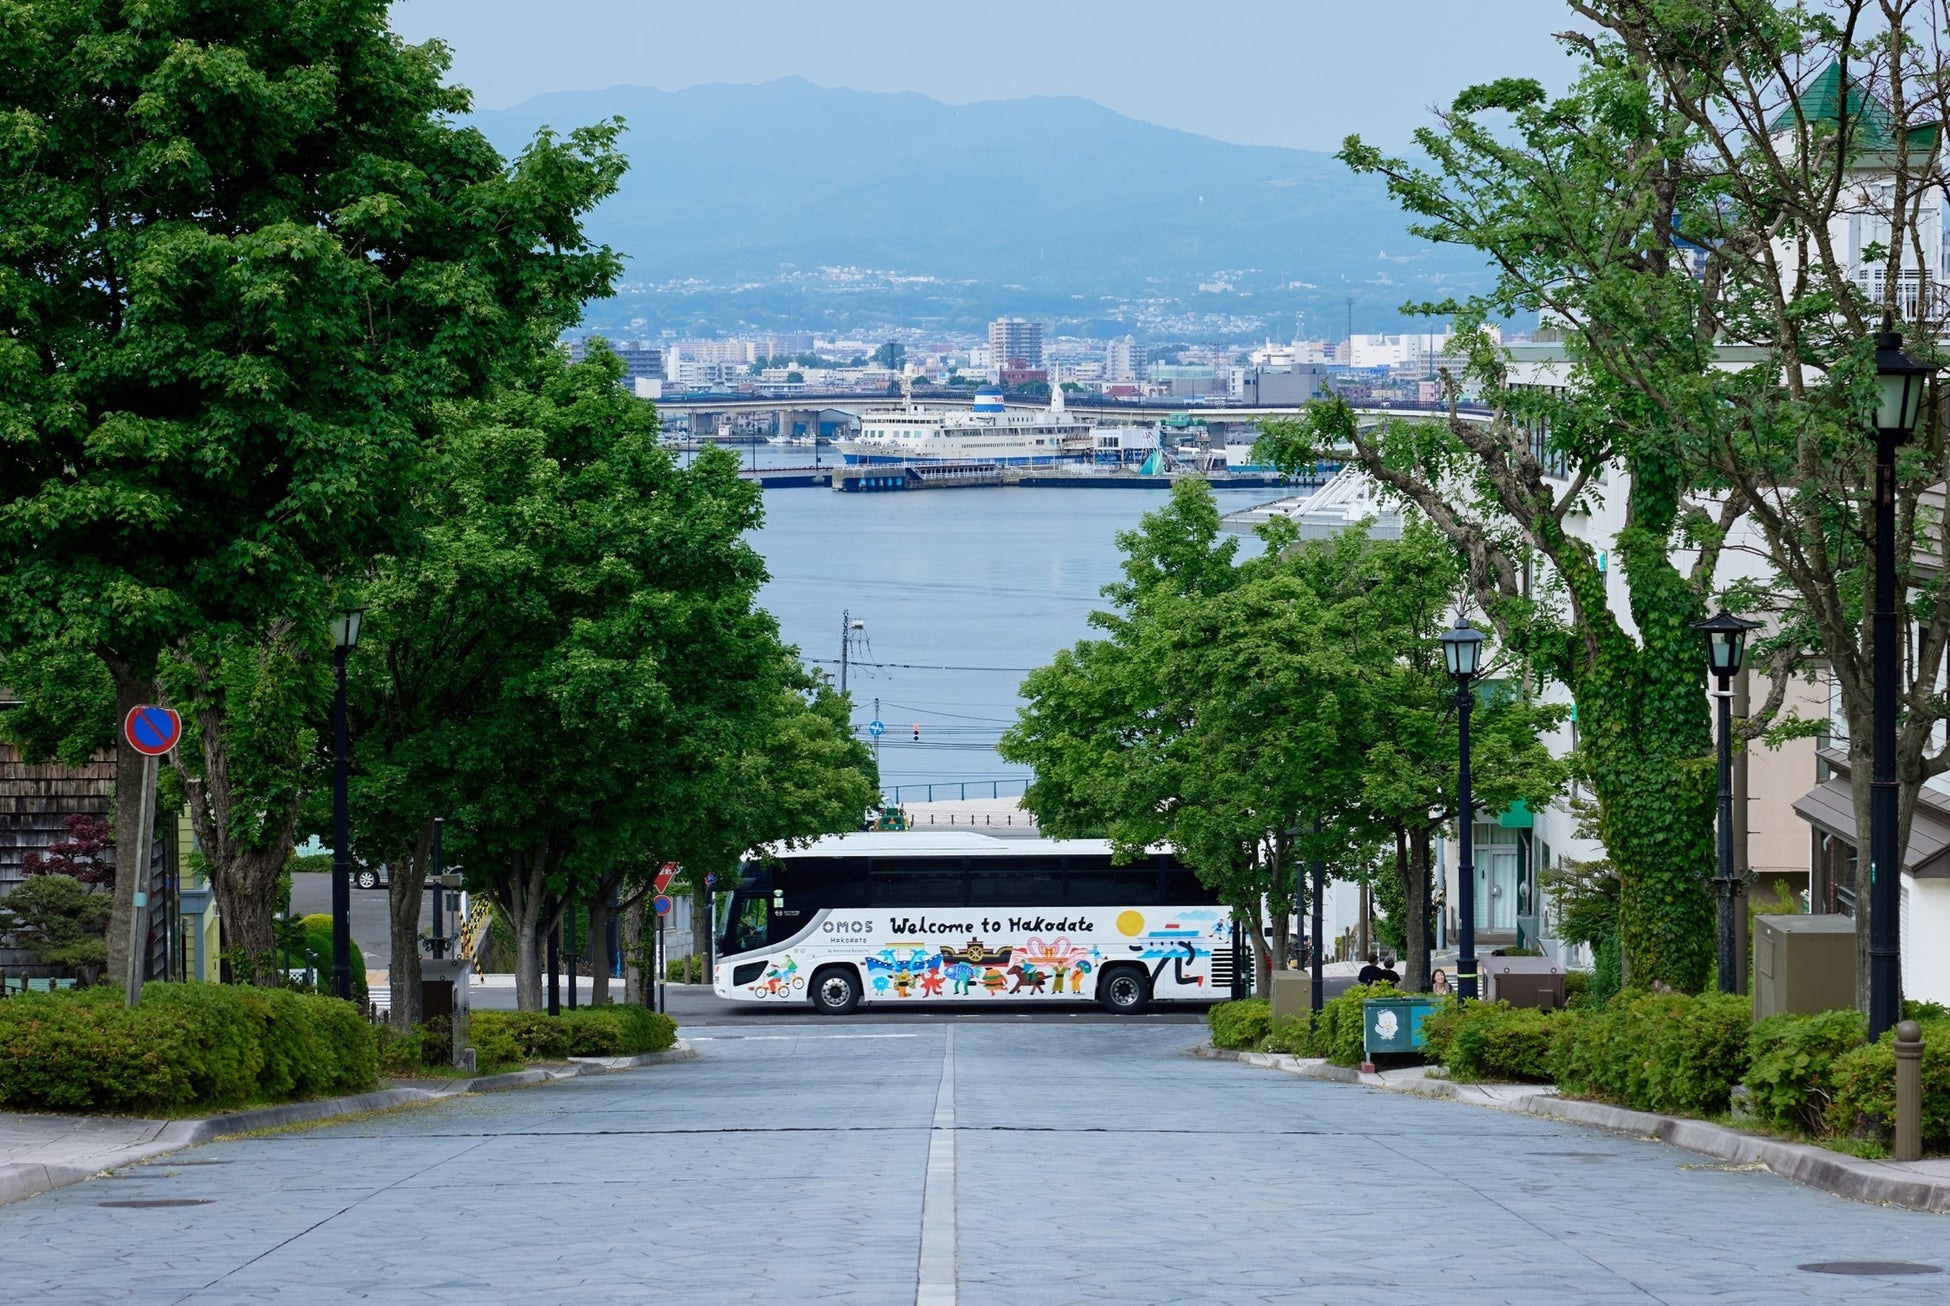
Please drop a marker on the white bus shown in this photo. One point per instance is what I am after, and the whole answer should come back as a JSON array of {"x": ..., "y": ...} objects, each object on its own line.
[{"x": 923, "y": 918}]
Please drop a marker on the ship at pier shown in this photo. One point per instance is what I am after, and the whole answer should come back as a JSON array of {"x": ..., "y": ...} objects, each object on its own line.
[{"x": 987, "y": 432}]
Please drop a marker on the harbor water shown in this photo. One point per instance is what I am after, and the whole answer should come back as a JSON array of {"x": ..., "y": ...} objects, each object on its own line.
[{"x": 962, "y": 593}]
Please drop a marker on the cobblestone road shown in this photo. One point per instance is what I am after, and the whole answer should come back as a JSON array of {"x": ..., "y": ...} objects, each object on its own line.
[{"x": 988, "y": 1164}]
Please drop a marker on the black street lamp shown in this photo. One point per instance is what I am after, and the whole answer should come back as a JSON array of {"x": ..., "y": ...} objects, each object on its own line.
[
  {"x": 1902, "y": 382},
  {"x": 345, "y": 637},
  {"x": 1726, "y": 648},
  {"x": 1462, "y": 651}
]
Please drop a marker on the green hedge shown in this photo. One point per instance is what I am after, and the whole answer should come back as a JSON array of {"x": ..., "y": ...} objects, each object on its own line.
[
  {"x": 606, "y": 1031},
  {"x": 1241, "y": 1024},
  {"x": 1655, "y": 1052},
  {"x": 1336, "y": 1034},
  {"x": 1864, "y": 1079},
  {"x": 1491, "y": 1041},
  {"x": 686, "y": 970},
  {"x": 187, "y": 1046},
  {"x": 1791, "y": 1067}
]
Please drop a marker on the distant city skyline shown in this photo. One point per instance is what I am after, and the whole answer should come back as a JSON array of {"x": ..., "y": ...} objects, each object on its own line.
[{"x": 1253, "y": 72}]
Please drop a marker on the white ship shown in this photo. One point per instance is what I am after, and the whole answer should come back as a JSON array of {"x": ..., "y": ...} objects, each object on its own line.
[{"x": 986, "y": 433}]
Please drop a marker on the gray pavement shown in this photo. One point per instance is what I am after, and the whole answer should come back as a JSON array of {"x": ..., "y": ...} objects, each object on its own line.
[
  {"x": 944, "y": 1162},
  {"x": 311, "y": 894}
]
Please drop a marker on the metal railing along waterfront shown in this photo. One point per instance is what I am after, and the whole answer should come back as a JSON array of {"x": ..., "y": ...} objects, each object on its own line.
[{"x": 943, "y": 790}]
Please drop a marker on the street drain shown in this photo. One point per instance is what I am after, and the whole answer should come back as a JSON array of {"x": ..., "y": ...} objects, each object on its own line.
[
  {"x": 1871, "y": 1269},
  {"x": 146, "y": 1203}
]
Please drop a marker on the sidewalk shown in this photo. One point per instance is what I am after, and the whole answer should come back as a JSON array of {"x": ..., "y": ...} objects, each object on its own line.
[
  {"x": 1916, "y": 1185},
  {"x": 43, "y": 1152}
]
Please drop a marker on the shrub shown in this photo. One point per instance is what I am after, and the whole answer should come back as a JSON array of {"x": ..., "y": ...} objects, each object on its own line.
[
  {"x": 1293, "y": 1035},
  {"x": 1337, "y": 1033},
  {"x": 607, "y": 1031},
  {"x": 1656, "y": 1052},
  {"x": 1791, "y": 1062},
  {"x": 494, "y": 1046},
  {"x": 188, "y": 1046},
  {"x": 59, "y": 919},
  {"x": 618, "y": 1031},
  {"x": 1493, "y": 1041},
  {"x": 1580, "y": 990},
  {"x": 685, "y": 970},
  {"x": 1865, "y": 1089},
  {"x": 1241, "y": 1024}
]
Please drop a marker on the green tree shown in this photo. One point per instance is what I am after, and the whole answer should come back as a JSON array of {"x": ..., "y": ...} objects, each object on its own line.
[
  {"x": 1718, "y": 354},
  {"x": 569, "y": 664},
  {"x": 1234, "y": 704},
  {"x": 247, "y": 247},
  {"x": 57, "y": 918}
]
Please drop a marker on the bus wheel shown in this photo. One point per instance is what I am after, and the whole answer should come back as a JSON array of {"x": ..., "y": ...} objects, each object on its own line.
[
  {"x": 835, "y": 990},
  {"x": 1125, "y": 990}
]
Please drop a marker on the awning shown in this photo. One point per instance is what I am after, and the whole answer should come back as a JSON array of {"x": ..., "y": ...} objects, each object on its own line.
[{"x": 1830, "y": 808}]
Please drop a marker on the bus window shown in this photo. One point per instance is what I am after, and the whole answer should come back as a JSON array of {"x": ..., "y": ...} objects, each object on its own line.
[
  {"x": 1114, "y": 886},
  {"x": 1013, "y": 884},
  {"x": 815, "y": 882},
  {"x": 749, "y": 927},
  {"x": 916, "y": 882},
  {"x": 1182, "y": 887}
]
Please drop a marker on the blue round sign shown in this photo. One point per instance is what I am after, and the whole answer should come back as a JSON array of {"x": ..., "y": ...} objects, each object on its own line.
[
  {"x": 152, "y": 730},
  {"x": 661, "y": 905},
  {"x": 876, "y": 729}
]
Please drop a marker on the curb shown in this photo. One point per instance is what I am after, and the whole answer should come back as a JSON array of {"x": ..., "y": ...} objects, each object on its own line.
[
  {"x": 24, "y": 1179},
  {"x": 1880, "y": 1183}
]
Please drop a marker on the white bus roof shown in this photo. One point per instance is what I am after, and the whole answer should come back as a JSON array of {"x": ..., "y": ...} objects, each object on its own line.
[{"x": 945, "y": 843}]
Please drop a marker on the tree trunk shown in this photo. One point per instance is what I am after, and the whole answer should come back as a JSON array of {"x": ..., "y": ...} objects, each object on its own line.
[
  {"x": 1262, "y": 964},
  {"x": 523, "y": 891},
  {"x": 598, "y": 905},
  {"x": 407, "y": 889},
  {"x": 131, "y": 863},
  {"x": 244, "y": 876},
  {"x": 700, "y": 919},
  {"x": 634, "y": 990},
  {"x": 1415, "y": 959},
  {"x": 247, "y": 894}
]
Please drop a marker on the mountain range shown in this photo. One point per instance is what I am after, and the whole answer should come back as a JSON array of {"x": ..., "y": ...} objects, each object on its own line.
[{"x": 791, "y": 204}]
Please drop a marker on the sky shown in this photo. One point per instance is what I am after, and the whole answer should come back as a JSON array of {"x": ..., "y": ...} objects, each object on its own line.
[{"x": 1302, "y": 73}]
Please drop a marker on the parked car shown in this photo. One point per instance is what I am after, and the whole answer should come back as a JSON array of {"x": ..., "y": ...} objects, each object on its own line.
[{"x": 371, "y": 877}]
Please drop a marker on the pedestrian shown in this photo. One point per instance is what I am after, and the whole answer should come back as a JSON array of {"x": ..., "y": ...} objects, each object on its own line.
[
  {"x": 1372, "y": 973},
  {"x": 1439, "y": 983}
]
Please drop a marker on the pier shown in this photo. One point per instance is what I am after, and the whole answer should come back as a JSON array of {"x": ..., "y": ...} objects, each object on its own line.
[{"x": 891, "y": 478}]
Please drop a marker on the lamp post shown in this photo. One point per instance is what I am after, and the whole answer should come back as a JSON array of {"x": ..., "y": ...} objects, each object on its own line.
[
  {"x": 1462, "y": 652},
  {"x": 1901, "y": 380},
  {"x": 1726, "y": 648},
  {"x": 345, "y": 638}
]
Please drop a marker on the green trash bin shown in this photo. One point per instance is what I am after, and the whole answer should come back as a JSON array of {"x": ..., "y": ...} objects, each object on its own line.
[{"x": 1394, "y": 1025}]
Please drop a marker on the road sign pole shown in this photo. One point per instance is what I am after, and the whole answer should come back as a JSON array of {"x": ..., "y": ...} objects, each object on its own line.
[
  {"x": 139, "y": 916},
  {"x": 663, "y": 963}
]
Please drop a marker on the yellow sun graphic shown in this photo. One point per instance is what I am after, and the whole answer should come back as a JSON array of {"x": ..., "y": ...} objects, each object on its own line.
[{"x": 1130, "y": 922}]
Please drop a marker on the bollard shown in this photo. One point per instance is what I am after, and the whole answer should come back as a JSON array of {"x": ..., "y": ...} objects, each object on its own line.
[{"x": 1909, "y": 1092}]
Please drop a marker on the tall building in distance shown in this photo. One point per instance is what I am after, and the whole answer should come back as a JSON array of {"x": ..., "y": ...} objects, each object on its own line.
[
  {"x": 1016, "y": 344},
  {"x": 1124, "y": 360},
  {"x": 642, "y": 359}
]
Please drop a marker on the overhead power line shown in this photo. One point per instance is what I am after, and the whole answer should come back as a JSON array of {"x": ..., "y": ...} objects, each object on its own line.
[{"x": 916, "y": 666}]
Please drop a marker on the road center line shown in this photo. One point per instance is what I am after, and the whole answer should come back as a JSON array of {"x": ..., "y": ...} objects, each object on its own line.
[{"x": 936, "y": 1284}]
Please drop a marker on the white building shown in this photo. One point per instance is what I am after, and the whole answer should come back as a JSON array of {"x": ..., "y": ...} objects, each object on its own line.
[
  {"x": 1124, "y": 360},
  {"x": 1012, "y": 338}
]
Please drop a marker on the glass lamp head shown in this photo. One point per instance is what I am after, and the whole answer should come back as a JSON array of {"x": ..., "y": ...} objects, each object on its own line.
[
  {"x": 1901, "y": 380},
  {"x": 345, "y": 626},
  {"x": 1726, "y": 642},
  {"x": 1462, "y": 649}
]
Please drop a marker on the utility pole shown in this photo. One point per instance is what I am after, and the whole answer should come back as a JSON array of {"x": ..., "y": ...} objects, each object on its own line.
[{"x": 847, "y": 626}]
